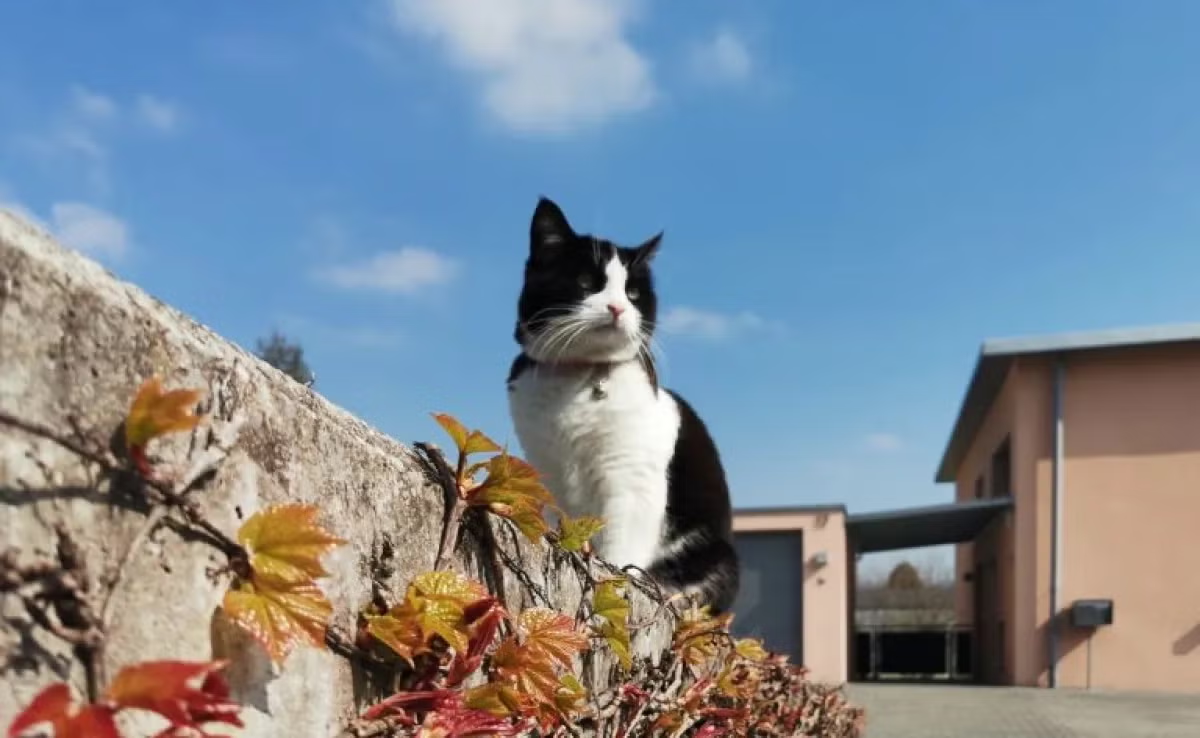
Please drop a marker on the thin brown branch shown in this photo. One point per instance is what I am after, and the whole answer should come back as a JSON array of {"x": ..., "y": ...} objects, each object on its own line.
[
  {"x": 372, "y": 728},
  {"x": 165, "y": 493}
]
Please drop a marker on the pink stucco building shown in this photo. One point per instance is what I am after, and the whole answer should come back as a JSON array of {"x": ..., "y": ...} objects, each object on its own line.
[{"x": 1075, "y": 461}]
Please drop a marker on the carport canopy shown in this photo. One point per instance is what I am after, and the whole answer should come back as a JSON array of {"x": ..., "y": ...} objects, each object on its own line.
[{"x": 917, "y": 527}]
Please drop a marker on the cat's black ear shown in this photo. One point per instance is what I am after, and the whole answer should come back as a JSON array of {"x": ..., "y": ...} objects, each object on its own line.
[
  {"x": 549, "y": 227},
  {"x": 648, "y": 250}
]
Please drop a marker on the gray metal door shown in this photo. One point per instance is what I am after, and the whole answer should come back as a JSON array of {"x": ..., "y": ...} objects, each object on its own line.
[{"x": 770, "y": 600}]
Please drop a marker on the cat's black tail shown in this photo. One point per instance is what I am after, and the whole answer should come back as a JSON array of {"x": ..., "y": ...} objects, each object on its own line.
[{"x": 703, "y": 565}]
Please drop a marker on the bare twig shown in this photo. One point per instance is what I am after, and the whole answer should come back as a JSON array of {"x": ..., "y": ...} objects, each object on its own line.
[
  {"x": 372, "y": 728},
  {"x": 439, "y": 470},
  {"x": 164, "y": 491}
]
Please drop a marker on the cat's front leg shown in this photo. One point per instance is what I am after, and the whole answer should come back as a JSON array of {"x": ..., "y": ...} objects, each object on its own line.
[{"x": 633, "y": 517}]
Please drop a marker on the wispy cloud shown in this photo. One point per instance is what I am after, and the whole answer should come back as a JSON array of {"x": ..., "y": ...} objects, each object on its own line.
[
  {"x": 87, "y": 228},
  {"x": 91, "y": 105},
  {"x": 80, "y": 133},
  {"x": 543, "y": 66},
  {"x": 724, "y": 57},
  {"x": 883, "y": 442},
  {"x": 709, "y": 325},
  {"x": 90, "y": 229},
  {"x": 158, "y": 114},
  {"x": 405, "y": 271}
]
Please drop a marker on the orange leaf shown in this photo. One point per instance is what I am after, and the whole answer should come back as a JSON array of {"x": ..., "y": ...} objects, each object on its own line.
[
  {"x": 281, "y": 615},
  {"x": 514, "y": 490},
  {"x": 466, "y": 441},
  {"x": 574, "y": 533},
  {"x": 67, "y": 718},
  {"x": 156, "y": 412},
  {"x": 530, "y": 673},
  {"x": 186, "y": 693},
  {"x": 286, "y": 543},
  {"x": 551, "y": 635}
]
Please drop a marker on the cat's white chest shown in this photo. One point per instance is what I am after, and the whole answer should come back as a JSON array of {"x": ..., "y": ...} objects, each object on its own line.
[{"x": 601, "y": 451}]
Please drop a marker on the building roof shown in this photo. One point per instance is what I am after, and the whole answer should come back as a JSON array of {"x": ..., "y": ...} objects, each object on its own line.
[
  {"x": 917, "y": 527},
  {"x": 791, "y": 509},
  {"x": 996, "y": 357}
]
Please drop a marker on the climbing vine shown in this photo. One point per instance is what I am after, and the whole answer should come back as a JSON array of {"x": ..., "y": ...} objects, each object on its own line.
[{"x": 462, "y": 662}]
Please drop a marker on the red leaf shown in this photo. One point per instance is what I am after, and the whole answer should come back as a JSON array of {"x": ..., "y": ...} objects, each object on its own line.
[
  {"x": 67, "y": 718},
  {"x": 186, "y": 693},
  {"x": 462, "y": 722}
]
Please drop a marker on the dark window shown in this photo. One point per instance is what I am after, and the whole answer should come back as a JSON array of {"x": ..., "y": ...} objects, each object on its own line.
[
  {"x": 770, "y": 602},
  {"x": 1002, "y": 470},
  {"x": 979, "y": 488}
]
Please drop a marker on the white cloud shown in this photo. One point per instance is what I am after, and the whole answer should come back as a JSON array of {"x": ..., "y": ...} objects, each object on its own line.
[
  {"x": 77, "y": 225},
  {"x": 79, "y": 134},
  {"x": 405, "y": 271},
  {"x": 92, "y": 105},
  {"x": 708, "y": 325},
  {"x": 723, "y": 58},
  {"x": 545, "y": 66},
  {"x": 89, "y": 229},
  {"x": 157, "y": 113},
  {"x": 883, "y": 442}
]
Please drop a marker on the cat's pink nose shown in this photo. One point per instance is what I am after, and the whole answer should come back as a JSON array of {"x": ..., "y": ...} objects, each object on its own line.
[{"x": 616, "y": 311}]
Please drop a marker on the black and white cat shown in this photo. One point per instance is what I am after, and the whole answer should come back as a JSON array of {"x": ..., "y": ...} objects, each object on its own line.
[{"x": 591, "y": 417}]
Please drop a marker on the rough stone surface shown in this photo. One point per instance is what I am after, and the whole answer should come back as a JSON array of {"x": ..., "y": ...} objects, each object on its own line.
[{"x": 75, "y": 344}]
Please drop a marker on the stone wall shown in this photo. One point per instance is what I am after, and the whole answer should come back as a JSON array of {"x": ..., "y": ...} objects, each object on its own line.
[{"x": 75, "y": 344}]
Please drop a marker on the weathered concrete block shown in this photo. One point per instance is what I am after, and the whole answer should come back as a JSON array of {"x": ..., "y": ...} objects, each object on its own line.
[{"x": 75, "y": 344}]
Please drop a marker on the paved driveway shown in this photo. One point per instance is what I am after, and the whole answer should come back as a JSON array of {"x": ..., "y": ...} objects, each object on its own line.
[{"x": 938, "y": 711}]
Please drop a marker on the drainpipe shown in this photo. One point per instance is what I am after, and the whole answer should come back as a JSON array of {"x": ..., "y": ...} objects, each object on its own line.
[{"x": 1056, "y": 523}]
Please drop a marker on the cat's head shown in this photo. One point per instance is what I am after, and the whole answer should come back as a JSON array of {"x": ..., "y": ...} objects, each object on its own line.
[{"x": 585, "y": 299}]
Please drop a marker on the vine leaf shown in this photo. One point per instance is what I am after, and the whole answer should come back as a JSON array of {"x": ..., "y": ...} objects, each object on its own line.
[
  {"x": 69, "y": 719},
  {"x": 466, "y": 441},
  {"x": 186, "y": 693},
  {"x": 609, "y": 604},
  {"x": 498, "y": 698},
  {"x": 280, "y": 615},
  {"x": 698, "y": 636},
  {"x": 528, "y": 661},
  {"x": 435, "y": 603},
  {"x": 277, "y": 600},
  {"x": 154, "y": 413},
  {"x": 286, "y": 543},
  {"x": 551, "y": 636},
  {"x": 750, "y": 649},
  {"x": 574, "y": 534},
  {"x": 513, "y": 490}
]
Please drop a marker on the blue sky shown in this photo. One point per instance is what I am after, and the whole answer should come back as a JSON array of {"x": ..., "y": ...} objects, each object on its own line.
[{"x": 854, "y": 195}]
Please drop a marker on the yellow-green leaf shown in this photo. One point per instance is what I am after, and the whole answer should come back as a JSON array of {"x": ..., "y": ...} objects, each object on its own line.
[
  {"x": 751, "y": 649},
  {"x": 609, "y": 604},
  {"x": 574, "y": 533},
  {"x": 498, "y": 698},
  {"x": 286, "y": 543}
]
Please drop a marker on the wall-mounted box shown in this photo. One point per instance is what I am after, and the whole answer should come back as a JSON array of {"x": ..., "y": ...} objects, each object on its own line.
[{"x": 1091, "y": 613}]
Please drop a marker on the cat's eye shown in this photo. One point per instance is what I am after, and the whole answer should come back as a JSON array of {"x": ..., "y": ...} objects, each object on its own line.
[
  {"x": 585, "y": 281},
  {"x": 633, "y": 292}
]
